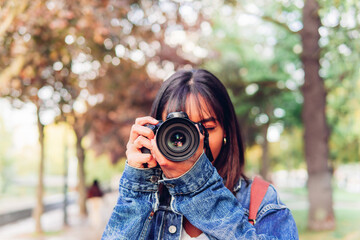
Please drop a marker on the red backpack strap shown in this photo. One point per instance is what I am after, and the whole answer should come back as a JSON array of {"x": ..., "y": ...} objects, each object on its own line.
[{"x": 258, "y": 191}]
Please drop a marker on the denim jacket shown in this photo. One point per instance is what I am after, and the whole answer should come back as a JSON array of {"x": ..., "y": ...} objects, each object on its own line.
[{"x": 202, "y": 198}]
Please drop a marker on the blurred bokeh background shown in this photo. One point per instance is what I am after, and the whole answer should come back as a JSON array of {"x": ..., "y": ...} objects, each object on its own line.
[{"x": 75, "y": 74}]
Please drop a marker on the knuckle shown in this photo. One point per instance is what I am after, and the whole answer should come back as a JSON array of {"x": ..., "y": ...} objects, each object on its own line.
[
  {"x": 137, "y": 120},
  {"x": 136, "y": 144},
  {"x": 139, "y": 138},
  {"x": 149, "y": 133}
]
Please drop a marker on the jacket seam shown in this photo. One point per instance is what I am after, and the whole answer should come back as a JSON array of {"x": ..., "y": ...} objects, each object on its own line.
[
  {"x": 139, "y": 189},
  {"x": 195, "y": 189},
  {"x": 161, "y": 230},
  {"x": 269, "y": 207},
  {"x": 145, "y": 228}
]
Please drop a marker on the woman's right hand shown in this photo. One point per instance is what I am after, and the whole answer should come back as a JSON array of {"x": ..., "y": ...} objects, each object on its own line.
[{"x": 140, "y": 136}]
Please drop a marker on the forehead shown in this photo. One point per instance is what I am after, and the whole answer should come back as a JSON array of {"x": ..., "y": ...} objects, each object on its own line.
[{"x": 196, "y": 108}]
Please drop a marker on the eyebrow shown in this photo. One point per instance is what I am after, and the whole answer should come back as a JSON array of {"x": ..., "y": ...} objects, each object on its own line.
[{"x": 210, "y": 119}]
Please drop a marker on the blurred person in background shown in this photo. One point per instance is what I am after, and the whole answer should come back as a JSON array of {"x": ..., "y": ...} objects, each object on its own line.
[
  {"x": 207, "y": 196},
  {"x": 94, "y": 200}
]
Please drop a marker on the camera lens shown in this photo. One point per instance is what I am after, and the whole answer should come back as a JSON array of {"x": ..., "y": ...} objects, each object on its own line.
[{"x": 178, "y": 139}]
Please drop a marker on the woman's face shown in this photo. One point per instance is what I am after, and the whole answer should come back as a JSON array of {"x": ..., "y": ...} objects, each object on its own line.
[{"x": 208, "y": 119}]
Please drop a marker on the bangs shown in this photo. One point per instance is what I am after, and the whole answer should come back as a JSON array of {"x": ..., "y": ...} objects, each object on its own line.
[
  {"x": 177, "y": 100},
  {"x": 180, "y": 102}
]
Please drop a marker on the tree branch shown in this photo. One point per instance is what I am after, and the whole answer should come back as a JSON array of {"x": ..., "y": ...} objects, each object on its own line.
[
  {"x": 10, "y": 11},
  {"x": 280, "y": 24},
  {"x": 272, "y": 20}
]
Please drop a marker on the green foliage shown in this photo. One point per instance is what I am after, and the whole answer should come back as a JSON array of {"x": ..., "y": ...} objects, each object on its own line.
[{"x": 257, "y": 63}]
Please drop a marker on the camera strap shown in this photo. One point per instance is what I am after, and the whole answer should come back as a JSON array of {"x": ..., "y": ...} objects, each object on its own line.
[{"x": 206, "y": 142}]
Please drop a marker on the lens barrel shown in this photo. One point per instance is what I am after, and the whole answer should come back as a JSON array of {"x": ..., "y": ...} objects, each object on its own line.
[{"x": 177, "y": 138}]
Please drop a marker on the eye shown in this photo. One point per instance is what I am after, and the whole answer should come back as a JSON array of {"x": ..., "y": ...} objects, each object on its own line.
[{"x": 209, "y": 128}]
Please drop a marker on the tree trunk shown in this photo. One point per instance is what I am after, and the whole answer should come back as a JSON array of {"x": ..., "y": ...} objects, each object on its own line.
[
  {"x": 81, "y": 174},
  {"x": 265, "y": 160},
  {"x": 39, "y": 208},
  {"x": 316, "y": 132}
]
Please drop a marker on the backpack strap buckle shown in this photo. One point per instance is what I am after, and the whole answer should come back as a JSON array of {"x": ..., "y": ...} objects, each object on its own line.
[{"x": 252, "y": 221}]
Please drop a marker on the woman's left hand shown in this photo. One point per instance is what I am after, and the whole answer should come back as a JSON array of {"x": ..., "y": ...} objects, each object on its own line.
[{"x": 173, "y": 169}]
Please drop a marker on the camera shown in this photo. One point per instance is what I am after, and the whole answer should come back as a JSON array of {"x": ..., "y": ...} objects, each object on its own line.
[{"x": 177, "y": 137}]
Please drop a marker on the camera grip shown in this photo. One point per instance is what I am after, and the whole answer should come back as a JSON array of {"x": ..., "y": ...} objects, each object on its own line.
[{"x": 145, "y": 150}]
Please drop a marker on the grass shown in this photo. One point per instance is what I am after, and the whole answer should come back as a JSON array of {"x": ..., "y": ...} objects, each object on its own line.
[
  {"x": 347, "y": 226},
  {"x": 347, "y": 216}
]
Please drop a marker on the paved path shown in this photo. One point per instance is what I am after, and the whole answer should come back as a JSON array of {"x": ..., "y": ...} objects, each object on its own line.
[{"x": 79, "y": 228}]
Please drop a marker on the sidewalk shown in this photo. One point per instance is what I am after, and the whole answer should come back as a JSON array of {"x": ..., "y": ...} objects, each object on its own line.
[{"x": 78, "y": 228}]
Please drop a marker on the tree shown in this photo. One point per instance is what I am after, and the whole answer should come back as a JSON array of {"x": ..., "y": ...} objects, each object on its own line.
[
  {"x": 39, "y": 42},
  {"x": 316, "y": 131}
]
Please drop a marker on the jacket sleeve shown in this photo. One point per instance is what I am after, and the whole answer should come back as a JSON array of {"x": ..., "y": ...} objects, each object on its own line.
[
  {"x": 280, "y": 223},
  {"x": 202, "y": 198},
  {"x": 136, "y": 204}
]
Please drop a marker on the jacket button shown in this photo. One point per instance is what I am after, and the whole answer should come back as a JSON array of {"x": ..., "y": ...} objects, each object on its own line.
[
  {"x": 154, "y": 179},
  {"x": 172, "y": 229}
]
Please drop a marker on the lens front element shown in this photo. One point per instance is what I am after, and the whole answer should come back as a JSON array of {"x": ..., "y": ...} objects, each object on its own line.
[{"x": 177, "y": 140}]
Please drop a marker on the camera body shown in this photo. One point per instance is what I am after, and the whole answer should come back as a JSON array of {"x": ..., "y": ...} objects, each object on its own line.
[{"x": 177, "y": 137}]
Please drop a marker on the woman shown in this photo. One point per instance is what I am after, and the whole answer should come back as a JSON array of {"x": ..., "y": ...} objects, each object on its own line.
[{"x": 196, "y": 198}]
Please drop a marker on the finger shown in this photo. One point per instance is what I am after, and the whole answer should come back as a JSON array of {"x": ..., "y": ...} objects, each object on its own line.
[
  {"x": 138, "y": 159},
  {"x": 145, "y": 120},
  {"x": 142, "y": 141},
  {"x": 149, "y": 159},
  {"x": 156, "y": 153},
  {"x": 152, "y": 162},
  {"x": 137, "y": 130},
  {"x": 154, "y": 149}
]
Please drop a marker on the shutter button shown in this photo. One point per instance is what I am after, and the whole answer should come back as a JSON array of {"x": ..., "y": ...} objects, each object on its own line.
[{"x": 172, "y": 229}]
